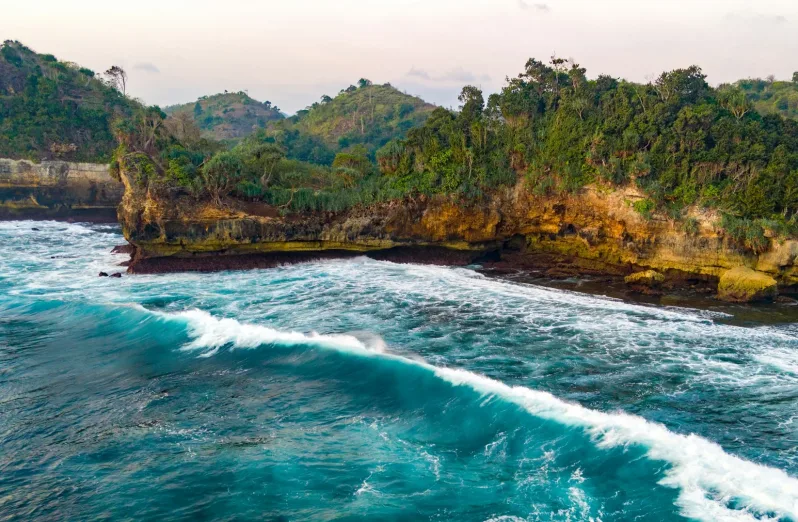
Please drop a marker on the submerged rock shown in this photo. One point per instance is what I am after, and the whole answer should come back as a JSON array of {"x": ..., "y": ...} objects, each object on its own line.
[
  {"x": 744, "y": 285},
  {"x": 103, "y": 274},
  {"x": 116, "y": 274},
  {"x": 649, "y": 278}
]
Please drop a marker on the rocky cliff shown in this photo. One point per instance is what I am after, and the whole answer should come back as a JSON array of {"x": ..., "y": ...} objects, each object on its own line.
[
  {"x": 595, "y": 231},
  {"x": 58, "y": 190}
]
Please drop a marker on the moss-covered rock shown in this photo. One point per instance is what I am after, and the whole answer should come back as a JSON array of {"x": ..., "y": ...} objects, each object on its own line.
[
  {"x": 744, "y": 285},
  {"x": 650, "y": 278}
]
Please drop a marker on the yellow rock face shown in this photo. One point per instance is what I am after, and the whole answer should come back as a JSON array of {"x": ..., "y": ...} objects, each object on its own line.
[
  {"x": 648, "y": 278},
  {"x": 743, "y": 285},
  {"x": 595, "y": 227}
]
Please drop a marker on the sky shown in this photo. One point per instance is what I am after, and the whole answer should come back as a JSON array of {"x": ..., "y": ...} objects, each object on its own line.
[{"x": 291, "y": 52}]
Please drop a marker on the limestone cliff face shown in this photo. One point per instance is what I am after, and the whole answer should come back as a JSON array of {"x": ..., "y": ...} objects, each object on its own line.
[
  {"x": 57, "y": 189},
  {"x": 595, "y": 229}
]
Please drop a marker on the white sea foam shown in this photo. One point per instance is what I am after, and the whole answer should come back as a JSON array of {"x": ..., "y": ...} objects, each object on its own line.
[
  {"x": 709, "y": 480},
  {"x": 213, "y": 333},
  {"x": 621, "y": 333},
  {"x": 707, "y": 477}
]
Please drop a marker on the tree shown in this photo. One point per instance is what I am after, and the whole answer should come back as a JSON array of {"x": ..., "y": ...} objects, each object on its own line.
[
  {"x": 117, "y": 78},
  {"x": 197, "y": 110},
  {"x": 357, "y": 159},
  {"x": 795, "y": 77},
  {"x": 363, "y": 82},
  {"x": 221, "y": 174},
  {"x": 473, "y": 103},
  {"x": 326, "y": 99},
  {"x": 184, "y": 129},
  {"x": 734, "y": 101},
  {"x": 682, "y": 85},
  {"x": 261, "y": 159}
]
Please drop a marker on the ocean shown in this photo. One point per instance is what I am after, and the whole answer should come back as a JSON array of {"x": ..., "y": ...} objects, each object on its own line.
[{"x": 364, "y": 390}]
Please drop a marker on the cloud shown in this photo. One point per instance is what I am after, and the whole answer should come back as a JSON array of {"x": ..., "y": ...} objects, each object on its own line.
[
  {"x": 752, "y": 16},
  {"x": 419, "y": 73},
  {"x": 147, "y": 67},
  {"x": 540, "y": 8},
  {"x": 457, "y": 75},
  {"x": 461, "y": 75}
]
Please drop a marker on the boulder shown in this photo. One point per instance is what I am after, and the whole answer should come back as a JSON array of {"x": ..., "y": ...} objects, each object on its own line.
[
  {"x": 744, "y": 285},
  {"x": 123, "y": 249},
  {"x": 116, "y": 274},
  {"x": 649, "y": 278},
  {"x": 103, "y": 274}
]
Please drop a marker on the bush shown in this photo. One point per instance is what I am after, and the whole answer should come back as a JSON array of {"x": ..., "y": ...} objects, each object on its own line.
[
  {"x": 644, "y": 207},
  {"x": 745, "y": 232},
  {"x": 690, "y": 226}
]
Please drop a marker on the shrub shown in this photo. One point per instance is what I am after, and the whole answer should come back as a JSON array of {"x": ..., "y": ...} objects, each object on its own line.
[
  {"x": 644, "y": 207},
  {"x": 690, "y": 226}
]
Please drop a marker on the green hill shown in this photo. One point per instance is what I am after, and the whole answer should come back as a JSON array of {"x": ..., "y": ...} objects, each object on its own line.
[
  {"x": 51, "y": 109},
  {"x": 772, "y": 97},
  {"x": 228, "y": 116},
  {"x": 368, "y": 115}
]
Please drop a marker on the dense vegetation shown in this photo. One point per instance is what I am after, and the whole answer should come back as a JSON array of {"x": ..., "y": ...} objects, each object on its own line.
[
  {"x": 685, "y": 144},
  {"x": 227, "y": 116},
  {"x": 682, "y": 142},
  {"x": 55, "y": 110},
  {"x": 367, "y": 115},
  {"x": 772, "y": 97}
]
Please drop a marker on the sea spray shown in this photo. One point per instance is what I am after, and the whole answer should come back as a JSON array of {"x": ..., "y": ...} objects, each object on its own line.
[{"x": 713, "y": 485}]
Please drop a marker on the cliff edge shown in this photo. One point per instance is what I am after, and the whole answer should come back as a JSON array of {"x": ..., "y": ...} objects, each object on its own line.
[
  {"x": 58, "y": 190},
  {"x": 593, "y": 231}
]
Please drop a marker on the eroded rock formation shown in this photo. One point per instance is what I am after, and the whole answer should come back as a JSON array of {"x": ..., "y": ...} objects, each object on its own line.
[
  {"x": 58, "y": 190},
  {"x": 594, "y": 231}
]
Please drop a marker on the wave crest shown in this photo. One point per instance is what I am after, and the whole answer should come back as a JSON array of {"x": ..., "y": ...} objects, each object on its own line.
[{"x": 713, "y": 485}]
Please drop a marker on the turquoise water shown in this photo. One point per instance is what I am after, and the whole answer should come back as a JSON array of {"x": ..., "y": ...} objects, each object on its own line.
[{"x": 357, "y": 389}]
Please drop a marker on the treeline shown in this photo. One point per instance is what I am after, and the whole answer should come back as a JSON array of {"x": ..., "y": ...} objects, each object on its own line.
[
  {"x": 553, "y": 129},
  {"x": 169, "y": 156},
  {"x": 683, "y": 142}
]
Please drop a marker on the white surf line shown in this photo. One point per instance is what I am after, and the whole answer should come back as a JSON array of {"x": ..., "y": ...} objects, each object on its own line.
[{"x": 706, "y": 476}]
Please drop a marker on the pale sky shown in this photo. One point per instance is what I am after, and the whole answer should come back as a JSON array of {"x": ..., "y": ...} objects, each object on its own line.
[{"x": 293, "y": 51}]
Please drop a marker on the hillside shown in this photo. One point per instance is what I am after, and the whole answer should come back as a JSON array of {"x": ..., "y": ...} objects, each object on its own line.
[
  {"x": 368, "y": 115},
  {"x": 51, "y": 109},
  {"x": 229, "y": 115},
  {"x": 772, "y": 97}
]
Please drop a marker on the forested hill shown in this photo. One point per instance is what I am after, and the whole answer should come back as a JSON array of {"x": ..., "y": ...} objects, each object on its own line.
[
  {"x": 228, "y": 116},
  {"x": 772, "y": 97},
  {"x": 366, "y": 114},
  {"x": 51, "y": 109}
]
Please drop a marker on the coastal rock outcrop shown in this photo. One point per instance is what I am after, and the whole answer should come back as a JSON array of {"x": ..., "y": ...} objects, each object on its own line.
[
  {"x": 743, "y": 285},
  {"x": 58, "y": 190},
  {"x": 595, "y": 231}
]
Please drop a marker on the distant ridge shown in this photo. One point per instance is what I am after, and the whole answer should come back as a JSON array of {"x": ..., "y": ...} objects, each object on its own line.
[
  {"x": 229, "y": 115},
  {"x": 367, "y": 115}
]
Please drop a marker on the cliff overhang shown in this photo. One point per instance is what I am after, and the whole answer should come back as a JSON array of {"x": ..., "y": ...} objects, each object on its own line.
[{"x": 593, "y": 231}]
